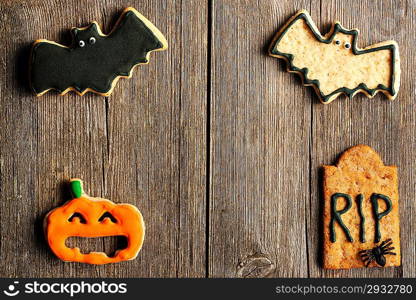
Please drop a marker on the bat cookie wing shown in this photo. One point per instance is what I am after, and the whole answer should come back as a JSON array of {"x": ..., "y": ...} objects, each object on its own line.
[
  {"x": 332, "y": 64},
  {"x": 134, "y": 38},
  {"x": 95, "y": 61}
]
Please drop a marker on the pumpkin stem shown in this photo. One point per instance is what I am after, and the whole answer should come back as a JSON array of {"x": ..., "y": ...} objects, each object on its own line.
[{"x": 76, "y": 187}]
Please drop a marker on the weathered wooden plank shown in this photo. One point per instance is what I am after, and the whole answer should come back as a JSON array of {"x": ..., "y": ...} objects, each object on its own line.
[
  {"x": 145, "y": 144},
  {"x": 158, "y": 144},
  {"x": 260, "y": 128},
  {"x": 44, "y": 141},
  {"x": 386, "y": 126}
]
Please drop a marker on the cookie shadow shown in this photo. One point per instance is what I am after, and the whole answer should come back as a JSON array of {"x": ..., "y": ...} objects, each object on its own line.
[
  {"x": 321, "y": 202},
  {"x": 40, "y": 240},
  {"x": 22, "y": 61},
  {"x": 320, "y": 254}
]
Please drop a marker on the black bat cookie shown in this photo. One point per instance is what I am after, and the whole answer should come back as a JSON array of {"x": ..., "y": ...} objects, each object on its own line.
[
  {"x": 95, "y": 61},
  {"x": 332, "y": 64}
]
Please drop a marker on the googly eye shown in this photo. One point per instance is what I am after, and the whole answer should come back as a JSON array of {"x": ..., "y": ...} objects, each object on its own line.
[
  {"x": 92, "y": 40},
  {"x": 337, "y": 42},
  {"x": 347, "y": 46},
  {"x": 81, "y": 43}
]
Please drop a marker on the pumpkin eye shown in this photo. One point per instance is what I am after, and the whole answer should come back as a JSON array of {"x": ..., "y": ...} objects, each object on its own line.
[
  {"x": 78, "y": 216},
  {"x": 107, "y": 215}
]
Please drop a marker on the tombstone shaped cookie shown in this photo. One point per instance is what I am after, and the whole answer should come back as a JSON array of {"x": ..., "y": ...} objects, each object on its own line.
[
  {"x": 95, "y": 61},
  {"x": 333, "y": 64},
  {"x": 90, "y": 217},
  {"x": 361, "y": 212}
]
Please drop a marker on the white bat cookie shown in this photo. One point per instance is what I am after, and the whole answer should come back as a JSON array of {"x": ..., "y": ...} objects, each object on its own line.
[{"x": 332, "y": 64}]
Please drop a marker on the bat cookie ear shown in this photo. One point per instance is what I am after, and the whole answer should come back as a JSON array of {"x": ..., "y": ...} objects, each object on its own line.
[
  {"x": 74, "y": 31},
  {"x": 94, "y": 26}
]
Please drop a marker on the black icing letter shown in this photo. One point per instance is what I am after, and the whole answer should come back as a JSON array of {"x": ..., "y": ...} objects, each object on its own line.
[
  {"x": 377, "y": 215},
  {"x": 336, "y": 215},
  {"x": 360, "y": 199}
]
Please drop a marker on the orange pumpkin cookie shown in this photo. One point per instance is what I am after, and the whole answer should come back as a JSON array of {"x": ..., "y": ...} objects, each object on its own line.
[{"x": 85, "y": 216}]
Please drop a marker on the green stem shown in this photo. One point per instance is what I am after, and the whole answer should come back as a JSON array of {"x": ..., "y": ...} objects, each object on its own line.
[{"x": 76, "y": 187}]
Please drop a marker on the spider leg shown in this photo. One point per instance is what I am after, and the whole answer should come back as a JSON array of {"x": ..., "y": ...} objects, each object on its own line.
[
  {"x": 385, "y": 242},
  {"x": 387, "y": 249},
  {"x": 366, "y": 259},
  {"x": 389, "y": 252},
  {"x": 386, "y": 246},
  {"x": 368, "y": 263}
]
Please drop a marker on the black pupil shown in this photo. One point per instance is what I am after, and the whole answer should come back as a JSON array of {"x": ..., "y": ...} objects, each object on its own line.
[
  {"x": 338, "y": 42},
  {"x": 347, "y": 46}
]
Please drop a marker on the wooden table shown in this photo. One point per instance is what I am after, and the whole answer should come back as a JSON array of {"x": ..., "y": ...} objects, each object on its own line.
[{"x": 216, "y": 144}]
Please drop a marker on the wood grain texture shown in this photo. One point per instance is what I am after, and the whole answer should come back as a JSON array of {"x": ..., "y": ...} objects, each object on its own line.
[
  {"x": 260, "y": 130},
  {"x": 270, "y": 136},
  {"x": 386, "y": 126},
  {"x": 144, "y": 145},
  {"x": 217, "y": 145}
]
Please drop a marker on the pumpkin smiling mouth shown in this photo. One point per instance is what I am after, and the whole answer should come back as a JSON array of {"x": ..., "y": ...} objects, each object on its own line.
[{"x": 109, "y": 245}]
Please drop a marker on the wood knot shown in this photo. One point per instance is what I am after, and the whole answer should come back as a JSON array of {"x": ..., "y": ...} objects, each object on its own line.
[{"x": 255, "y": 266}]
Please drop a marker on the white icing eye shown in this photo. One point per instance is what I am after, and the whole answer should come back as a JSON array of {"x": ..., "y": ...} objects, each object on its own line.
[
  {"x": 81, "y": 43},
  {"x": 337, "y": 42},
  {"x": 92, "y": 40},
  {"x": 347, "y": 46}
]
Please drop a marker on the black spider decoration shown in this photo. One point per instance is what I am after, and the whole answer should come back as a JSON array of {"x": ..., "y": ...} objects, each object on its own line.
[{"x": 377, "y": 253}]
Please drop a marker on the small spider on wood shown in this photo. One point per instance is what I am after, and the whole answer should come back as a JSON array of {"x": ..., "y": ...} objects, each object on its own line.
[{"x": 377, "y": 253}]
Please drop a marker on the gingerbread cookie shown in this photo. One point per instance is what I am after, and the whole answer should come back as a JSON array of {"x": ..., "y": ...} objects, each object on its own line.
[
  {"x": 332, "y": 64},
  {"x": 89, "y": 217},
  {"x": 95, "y": 61},
  {"x": 361, "y": 212}
]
